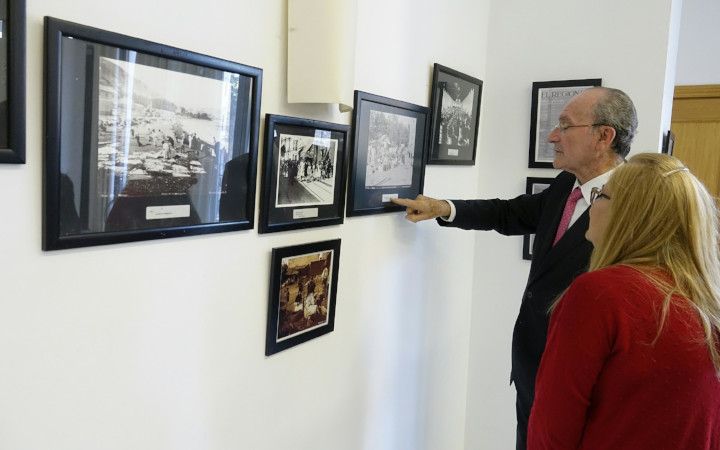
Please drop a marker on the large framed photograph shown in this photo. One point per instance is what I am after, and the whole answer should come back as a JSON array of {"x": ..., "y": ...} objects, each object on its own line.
[
  {"x": 533, "y": 185},
  {"x": 455, "y": 117},
  {"x": 304, "y": 173},
  {"x": 388, "y": 154},
  {"x": 12, "y": 81},
  {"x": 144, "y": 141},
  {"x": 303, "y": 291},
  {"x": 548, "y": 100}
]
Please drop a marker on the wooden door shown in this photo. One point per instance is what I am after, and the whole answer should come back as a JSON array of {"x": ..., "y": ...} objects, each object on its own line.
[{"x": 696, "y": 125}]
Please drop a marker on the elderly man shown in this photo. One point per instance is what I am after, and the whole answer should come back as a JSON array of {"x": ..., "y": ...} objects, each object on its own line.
[{"x": 592, "y": 137}]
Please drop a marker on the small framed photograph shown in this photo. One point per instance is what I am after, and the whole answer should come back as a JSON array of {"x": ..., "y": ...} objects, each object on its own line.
[
  {"x": 455, "y": 117},
  {"x": 548, "y": 100},
  {"x": 668, "y": 143},
  {"x": 388, "y": 154},
  {"x": 12, "y": 82},
  {"x": 533, "y": 185},
  {"x": 304, "y": 173},
  {"x": 144, "y": 141},
  {"x": 303, "y": 291}
]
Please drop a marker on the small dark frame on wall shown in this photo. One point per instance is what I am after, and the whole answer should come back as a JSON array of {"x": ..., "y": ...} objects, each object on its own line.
[
  {"x": 455, "y": 104},
  {"x": 12, "y": 82},
  {"x": 668, "y": 143},
  {"x": 548, "y": 100},
  {"x": 388, "y": 154},
  {"x": 144, "y": 141},
  {"x": 303, "y": 294},
  {"x": 533, "y": 185},
  {"x": 304, "y": 173}
]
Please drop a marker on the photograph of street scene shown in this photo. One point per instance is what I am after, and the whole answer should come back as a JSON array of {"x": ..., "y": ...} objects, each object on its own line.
[
  {"x": 456, "y": 117},
  {"x": 306, "y": 170},
  {"x": 391, "y": 146},
  {"x": 305, "y": 283},
  {"x": 161, "y": 131}
]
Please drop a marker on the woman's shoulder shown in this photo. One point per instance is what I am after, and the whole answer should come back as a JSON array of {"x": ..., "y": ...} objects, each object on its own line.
[
  {"x": 614, "y": 283},
  {"x": 617, "y": 275}
]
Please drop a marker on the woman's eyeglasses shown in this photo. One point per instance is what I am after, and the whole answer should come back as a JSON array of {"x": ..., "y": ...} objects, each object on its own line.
[{"x": 597, "y": 193}]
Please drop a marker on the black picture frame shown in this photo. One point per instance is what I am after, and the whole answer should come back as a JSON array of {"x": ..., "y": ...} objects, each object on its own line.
[
  {"x": 12, "y": 83},
  {"x": 548, "y": 100},
  {"x": 303, "y": 294},
  {"x": 533, "y": 185},
  {"x": 303, "y": 173},
  {"x": 455, "y": 104},
  {"x": 144, "y": 141},
  {"x": 398, "y": 131},
  {"x": 668, "y": 143}
]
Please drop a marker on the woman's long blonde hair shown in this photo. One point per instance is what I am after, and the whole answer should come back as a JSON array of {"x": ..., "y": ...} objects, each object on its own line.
[{"x": 662, "y": 216}]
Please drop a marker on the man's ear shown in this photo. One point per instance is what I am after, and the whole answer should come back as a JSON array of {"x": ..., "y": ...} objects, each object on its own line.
[{"x": 607, "y": 135}]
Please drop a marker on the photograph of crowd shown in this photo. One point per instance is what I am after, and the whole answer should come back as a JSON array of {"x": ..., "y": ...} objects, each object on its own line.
[
  {"x": 456, "y": 117},
  {"x": 159, "y": 131},
  {"x": 306, "y": 170},
  {"x": 391, "y": 146},
  {"x": 305, "y": 284}
]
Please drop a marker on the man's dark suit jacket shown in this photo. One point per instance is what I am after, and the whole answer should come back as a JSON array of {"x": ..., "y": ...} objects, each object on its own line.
[{"x": 552, "y": 270}]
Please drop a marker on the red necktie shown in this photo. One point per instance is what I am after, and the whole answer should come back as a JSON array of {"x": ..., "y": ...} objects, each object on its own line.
[{"x": 572, "y": 200}]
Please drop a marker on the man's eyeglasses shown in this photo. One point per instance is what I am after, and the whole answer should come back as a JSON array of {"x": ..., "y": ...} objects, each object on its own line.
[
  {"x": 597, "y": 193},
  {"x": 564, "y": 127}
]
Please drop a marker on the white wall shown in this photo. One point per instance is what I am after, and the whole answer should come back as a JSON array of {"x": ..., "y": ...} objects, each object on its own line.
[
  {"x": 160, "y": 344},
  {"x": 699, "y": 44},
  {"x": 624, "y": 43}
]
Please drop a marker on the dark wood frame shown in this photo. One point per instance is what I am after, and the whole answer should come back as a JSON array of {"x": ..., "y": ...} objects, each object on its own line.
[
  {"x": 362, "y": 201},
  {"x": 15, "y": 153},
  {"x": 272, "y": 343},
  {"x": 530, "y": 181},
  {"x": 536, "y": 86},
  {"x": 55, "y": 31},
  {"x": 282, "y": 219},
  {"x": 436, "y": 102}
]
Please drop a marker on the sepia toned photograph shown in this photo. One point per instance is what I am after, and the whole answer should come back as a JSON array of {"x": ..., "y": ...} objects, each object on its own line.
[
  {"x": 533, "y": 185},
  {"x": 456, "y": 117},
  {"x": 306, "y": 170},
  {"x": 302, "y": 294},
  {"x": 548, "y": 100},
  {"x": 389, "y": 153},
  {"x": 391, "y": 145},
  {"x": 142, "y": 146},
  {"x": 303, "y": 182}
]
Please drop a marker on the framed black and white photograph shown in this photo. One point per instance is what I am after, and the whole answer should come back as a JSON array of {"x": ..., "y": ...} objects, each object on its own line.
[
  {"x": 455, "y": 117},
  {"x": 303, "y": 291},
  {"x": 388, "y": 154},
  {"x": 548, "y": 100},
  {"x": 144, "y": 141},
  {"x": 533, "y": 185},
  {"x": 12, "y": 81},
  {"x": 303, "y": 173}
]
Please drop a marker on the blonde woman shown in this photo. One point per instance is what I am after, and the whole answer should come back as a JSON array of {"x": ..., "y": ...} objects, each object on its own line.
[{"x": 632, "y": 358}]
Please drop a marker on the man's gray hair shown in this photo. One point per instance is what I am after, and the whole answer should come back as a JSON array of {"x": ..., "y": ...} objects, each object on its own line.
[{"x": 615, "y": 109}]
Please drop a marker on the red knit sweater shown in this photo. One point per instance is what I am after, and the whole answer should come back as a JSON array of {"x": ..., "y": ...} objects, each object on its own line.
[{"x": 604, "y": 385}]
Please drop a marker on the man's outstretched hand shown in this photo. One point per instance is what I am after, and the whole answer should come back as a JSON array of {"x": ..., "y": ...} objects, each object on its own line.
[{"x": 423, "y": 208}]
